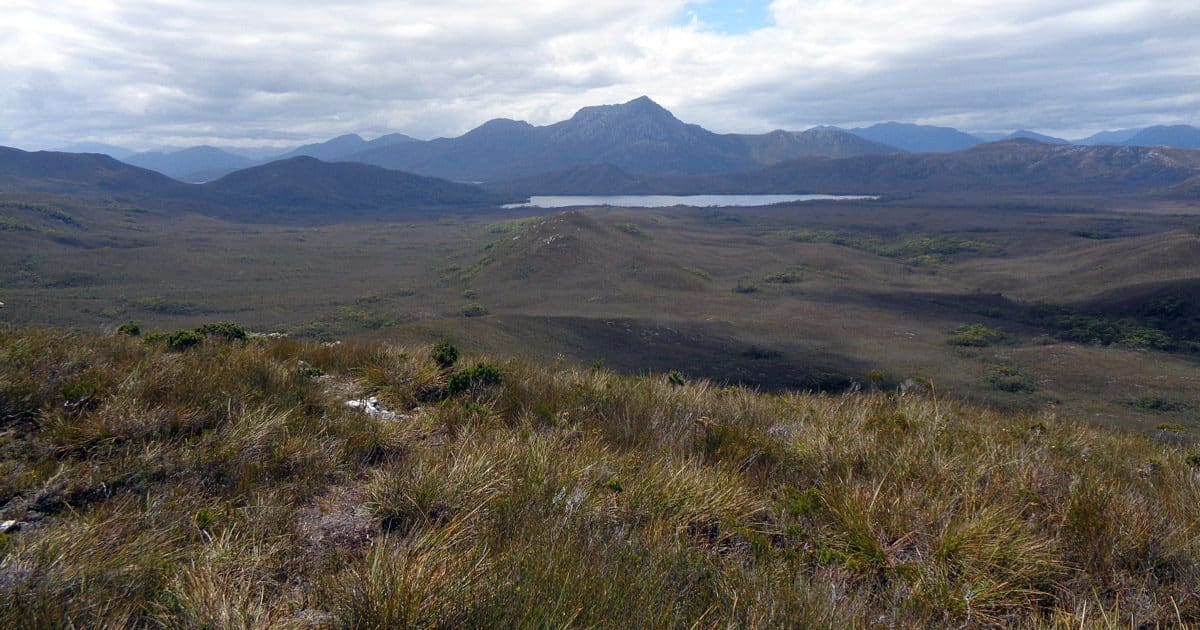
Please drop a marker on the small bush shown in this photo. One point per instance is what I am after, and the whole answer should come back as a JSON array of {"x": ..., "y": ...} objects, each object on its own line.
[
  {"x": 1156, "y": 403},
  {"x": 1009, "y": 379},
  {"x": 783, "y": 277},
  {"x": 675, "y": 377},
  {"x": 444, "y": 354},
  {"x": 182, "y": 339},
  {"x": 975, "y": 335},
  {"x": 745, "y": 288},
  {"x": 131, "y": 329},
  {"x": 474, "y": 309},
  {"x": 224, "y": 330},
  {"x": 479, "y": 376}
]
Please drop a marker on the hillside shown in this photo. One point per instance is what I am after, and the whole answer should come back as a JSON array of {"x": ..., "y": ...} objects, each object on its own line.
[
  {"x": 77, "y": 173},
  {"x": 297, "y": 190},
  {"x": 307, "y": 189},
  {"x": 471, "y": 492}
]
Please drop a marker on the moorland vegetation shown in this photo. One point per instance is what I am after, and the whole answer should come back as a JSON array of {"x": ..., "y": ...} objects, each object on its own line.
[{"x": 227, "y": 483}]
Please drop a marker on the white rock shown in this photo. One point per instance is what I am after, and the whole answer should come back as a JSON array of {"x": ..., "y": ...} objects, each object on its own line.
[{"x": 9, "y": 526}]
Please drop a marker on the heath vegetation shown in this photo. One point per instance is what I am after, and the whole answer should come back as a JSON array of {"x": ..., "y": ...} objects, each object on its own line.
[{"x": 228, "y": 484}]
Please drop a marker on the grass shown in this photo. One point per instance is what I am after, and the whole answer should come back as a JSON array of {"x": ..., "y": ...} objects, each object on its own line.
[{"x": 229, "y": 485}]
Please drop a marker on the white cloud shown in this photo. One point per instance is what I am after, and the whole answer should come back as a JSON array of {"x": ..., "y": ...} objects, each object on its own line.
[{"x": 143, "y": 72}]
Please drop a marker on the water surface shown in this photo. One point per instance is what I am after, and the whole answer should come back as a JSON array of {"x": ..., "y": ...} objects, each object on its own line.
[{"x": 666, "y": 201}]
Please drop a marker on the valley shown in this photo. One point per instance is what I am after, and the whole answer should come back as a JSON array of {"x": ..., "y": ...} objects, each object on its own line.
[{"x": 817, "y": 295}]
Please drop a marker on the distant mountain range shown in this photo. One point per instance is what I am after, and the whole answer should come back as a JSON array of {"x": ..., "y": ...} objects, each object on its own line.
[
  {"x": 635, "y": 147},
  {"x": 1007, "y": 167},
  {"x": 296, "y": 190},
  {"x": 638, "y": 137}
]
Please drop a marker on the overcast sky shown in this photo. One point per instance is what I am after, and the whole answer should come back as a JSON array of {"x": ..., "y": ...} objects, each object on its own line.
[{"x": 141, "y": 73}]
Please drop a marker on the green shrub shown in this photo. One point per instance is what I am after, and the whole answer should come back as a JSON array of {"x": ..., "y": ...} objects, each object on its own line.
[
  {"x": 675, "y": 377},
  {"x": 975, "y": 335},
  {"x": 1007, "y": 378},
  {"x": 474, "y": 309},
  {"x": 474, "y": 378},
  {"x": 1156, "y": 403},
  {"x": 224, "y": 330},
  {"x": 180, "y": 340},
  {"x": 783, "y": 277},
  {"x": 444, "y": 354},
  {"x": 131, "y": 329}
]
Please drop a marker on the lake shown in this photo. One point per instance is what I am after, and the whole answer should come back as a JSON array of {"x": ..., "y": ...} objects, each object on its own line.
[{"x": 666, "y": 201}]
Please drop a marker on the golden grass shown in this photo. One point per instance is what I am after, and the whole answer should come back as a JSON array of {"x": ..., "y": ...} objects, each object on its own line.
[{"x": 183, "y": 489}]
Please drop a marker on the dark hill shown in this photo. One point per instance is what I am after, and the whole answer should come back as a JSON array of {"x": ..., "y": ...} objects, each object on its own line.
[
  {"x": 78, "y": 173},
  {"x": 307, "y": 189},
  {"x": 299, "y": 190}
]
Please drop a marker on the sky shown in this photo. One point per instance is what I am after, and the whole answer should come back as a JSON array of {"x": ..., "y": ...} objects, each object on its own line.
[{"x": 149, "y": 73}]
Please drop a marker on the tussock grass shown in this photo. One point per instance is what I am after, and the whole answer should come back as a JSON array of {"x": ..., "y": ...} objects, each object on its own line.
[{"x": 228, "y": 485}]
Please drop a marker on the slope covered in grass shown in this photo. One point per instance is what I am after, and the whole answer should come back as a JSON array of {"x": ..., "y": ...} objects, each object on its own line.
[{"x": 229, "y": 485}]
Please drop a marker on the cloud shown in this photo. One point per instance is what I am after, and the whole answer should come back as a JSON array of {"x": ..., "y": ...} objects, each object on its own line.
[{"x": 148, "y": 72}]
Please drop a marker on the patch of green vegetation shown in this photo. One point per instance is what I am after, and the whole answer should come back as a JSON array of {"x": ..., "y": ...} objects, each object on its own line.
[
  {"x": 916, "y": 249},
  {"x": 783, "y": 277},
  {"x": 474, "y": 378},
  {"x": 8, "y": 224},
  {"x": 224, "y": 330},
  {"x": 1155, "y": 403},
  {"x": 1094, "y": 236},
  {"x": 1171, "y": 427},
  {"x": 132, "y": 329},
  {"x": 168, "y": 306},
  {"x": 511, "y": 226},
  {"x": 362, "y": 317},
  {"x": 745, "y": 288},
  {"x": 975, "y": 335},
  {"x": 1007, "y": 378},
  {"x": 631, "y": 229},
  {"x": 444, "y": 354},
  {"x": 757, "y": 353},
  {"x": 474, "y": 309}
]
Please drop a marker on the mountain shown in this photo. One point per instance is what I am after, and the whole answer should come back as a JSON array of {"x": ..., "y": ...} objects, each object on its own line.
[
  {"x": 342, "y": 147},
  {"x": 639, "y": 137},
  {"x": 779, "y": 146},
  {"x": 1182, "y": 136},
  {"x": 195, "y": 164},
  {"x": 917, "y": 138},
  {"x": 77, "y": 173},
  {"x": 299, "y": 190},
  {"x": 1013, "y": 166},
  {"x": 307, "y": 189},
  {"x": 1021, "y": 134},
  {"x": 1009, "y": 167},
  {"x": 1119, "y": 136},
  {"x": 97, "y": 147}
]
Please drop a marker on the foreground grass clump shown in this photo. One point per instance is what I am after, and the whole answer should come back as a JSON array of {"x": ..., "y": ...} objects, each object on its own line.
[{"x": 231, "y": 486}]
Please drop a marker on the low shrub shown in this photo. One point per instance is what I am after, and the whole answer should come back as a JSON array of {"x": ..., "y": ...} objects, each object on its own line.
[{"x": 975, "y": 335}]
